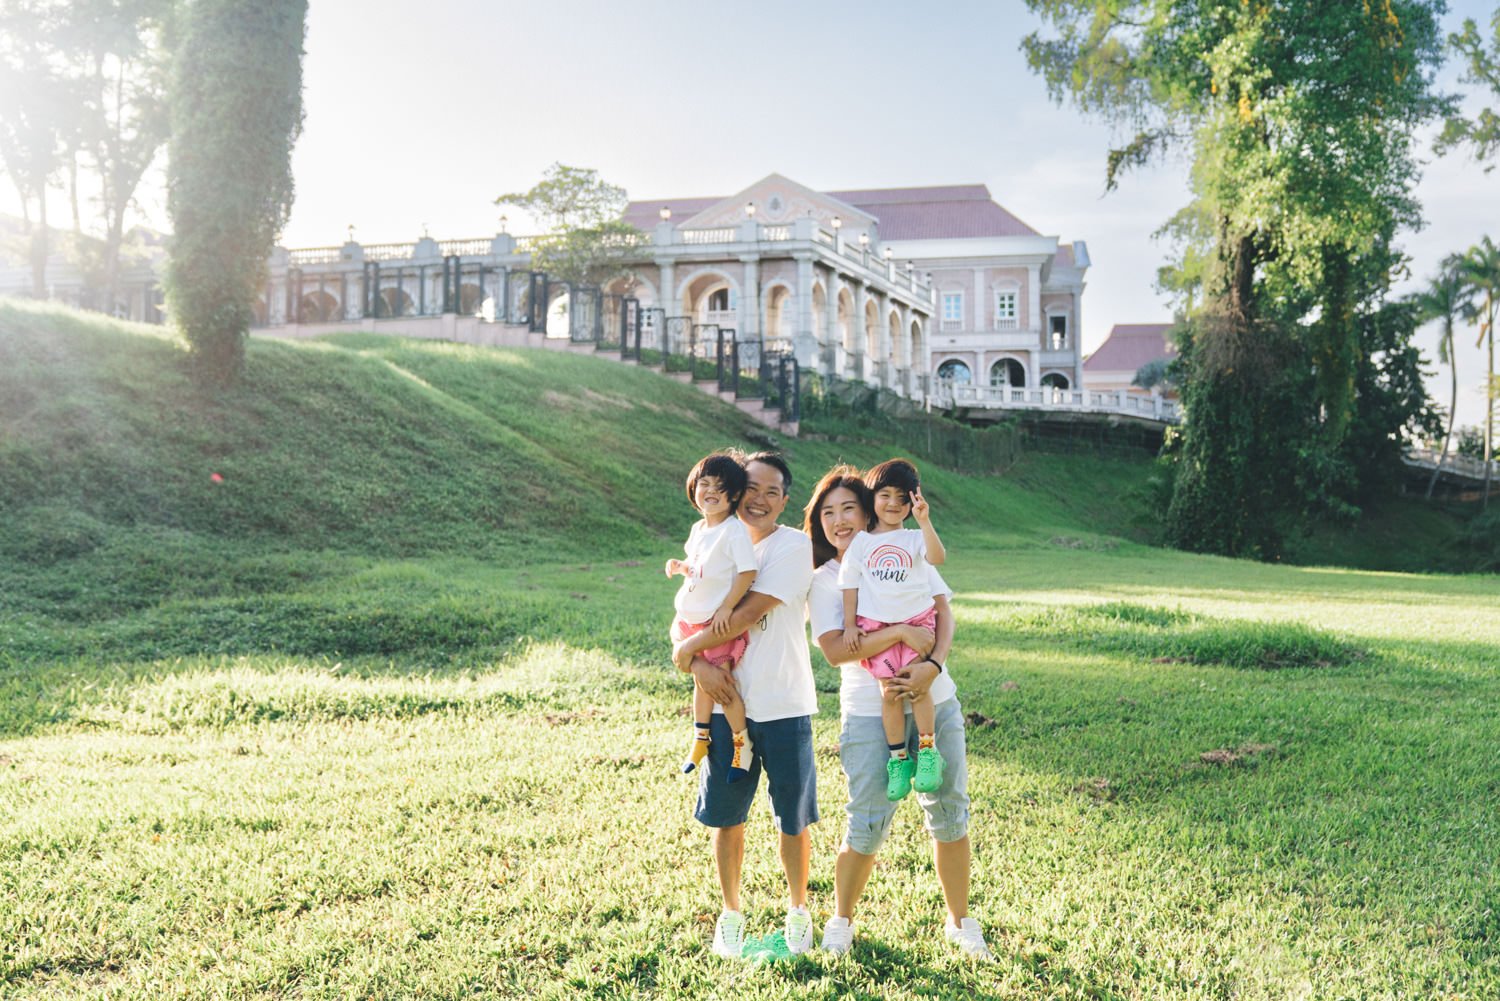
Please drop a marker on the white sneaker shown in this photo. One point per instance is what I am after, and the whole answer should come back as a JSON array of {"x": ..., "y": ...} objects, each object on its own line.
[
  {"x": 799, "y": 933},
  {"x": 838, "y": 935},
  {"x": 729, "y": 935},
  {"x": 969, "y": 937}
]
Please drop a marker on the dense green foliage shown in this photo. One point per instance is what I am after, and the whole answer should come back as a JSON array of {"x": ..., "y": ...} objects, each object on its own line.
[
  {"x": 1298, "y": 117},
  {"x": 584, "y": 240},
  {"x": 1480, "y": 58},
  {"x": 236, "y": 109}
]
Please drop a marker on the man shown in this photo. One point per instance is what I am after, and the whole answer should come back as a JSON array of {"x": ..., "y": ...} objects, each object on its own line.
[{"x": 776, "y": 682}]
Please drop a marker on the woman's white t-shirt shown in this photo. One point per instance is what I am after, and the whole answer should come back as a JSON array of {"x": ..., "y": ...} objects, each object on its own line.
[
  {"x": 715, "y": 556},
  {"x": 890, "y": 569},
  {"x": 859, "y": 692}
]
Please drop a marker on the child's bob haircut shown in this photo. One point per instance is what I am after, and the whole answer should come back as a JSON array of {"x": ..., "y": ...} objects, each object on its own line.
[
  {"x": 898, "y": 473},
  {"x": 728, "y": 468}
]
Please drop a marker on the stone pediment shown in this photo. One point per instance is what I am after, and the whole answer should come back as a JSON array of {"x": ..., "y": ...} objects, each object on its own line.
[{"x": 779, "y": 200}]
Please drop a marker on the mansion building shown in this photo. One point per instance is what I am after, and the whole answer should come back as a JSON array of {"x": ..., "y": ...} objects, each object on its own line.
[
  {"x": 924, "y": 291},
  {"x": 937, "y": 281}
]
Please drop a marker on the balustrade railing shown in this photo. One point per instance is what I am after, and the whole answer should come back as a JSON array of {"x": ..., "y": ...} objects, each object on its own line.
[
  {"x": 698, "y": 236},
  {"x": 466, "y": 248},
  {"x": 948, "y": 393}
]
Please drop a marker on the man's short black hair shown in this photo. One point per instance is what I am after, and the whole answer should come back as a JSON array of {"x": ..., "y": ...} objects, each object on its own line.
[
  {"x": 727, "y": 468},
  {"x": 898, "y": 473},
  {"x": 774, "y": 459}
]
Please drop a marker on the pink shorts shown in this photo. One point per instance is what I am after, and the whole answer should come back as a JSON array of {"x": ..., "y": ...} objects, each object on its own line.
[
  {"x": 889, "y": 662},
  {"x": 726, "y": 654}
]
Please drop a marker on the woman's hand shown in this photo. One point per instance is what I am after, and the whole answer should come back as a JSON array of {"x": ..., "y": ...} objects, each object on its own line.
[
  {"x": 918, "y": 638},
  {"x": 913, "y": 680}
]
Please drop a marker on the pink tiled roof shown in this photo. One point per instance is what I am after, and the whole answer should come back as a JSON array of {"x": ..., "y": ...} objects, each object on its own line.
[
  {"x": 1129, "y": 346},
  {"x": 945, "y": 212}
]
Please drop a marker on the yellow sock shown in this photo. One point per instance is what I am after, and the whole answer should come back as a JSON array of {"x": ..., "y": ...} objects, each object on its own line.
[{"x": 700, "y": 747}]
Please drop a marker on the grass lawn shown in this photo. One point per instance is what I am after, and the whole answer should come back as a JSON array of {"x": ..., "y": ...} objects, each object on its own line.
[{"x": 377, "y": 722}]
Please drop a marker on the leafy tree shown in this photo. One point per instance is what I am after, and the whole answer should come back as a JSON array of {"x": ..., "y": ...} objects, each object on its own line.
[
  {"x": 235, "y": 101},
  {"x": 120, "y": 54},
  {"x": 1481, "y": 270},
  {"x": 1446, "y": 298},
  {"x": 1298, "y": 116},
  {"x": 38, "y": 119},
  {"x": 585, "y": 241},
  {"x": 1481, "y": 61}
]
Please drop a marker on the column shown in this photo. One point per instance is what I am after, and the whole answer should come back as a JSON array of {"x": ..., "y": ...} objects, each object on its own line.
[
  {"x": 667, "y": 292},
  {"x": 1034, "y": 298},
  {"x": 979, "y": 290},
  {"x": 805, "y": 346},
  {"x": 749, "y": 318},
  {"x": 834, "y": 348}
]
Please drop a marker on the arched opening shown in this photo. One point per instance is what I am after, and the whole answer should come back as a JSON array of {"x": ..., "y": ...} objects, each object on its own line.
[
  {"x": 779, "y": 310},
  {"x": 558, "y": 309},
  {"x": 1008, "y": 372},
  {"x": 711, "y": 297},
  {"x": 872, "y": 331},
  {"x": 317, "y": 306},
  {"x": 918, "y": 361},
  {"x": 955, "y": 370},
  {"x": 1055, "y": 380},
  {"x": 846, "y": 320},
  {"x": 396, "y": 302},
  {"x": 470, "y": 299},
  {"x": 898, "y": 346}
]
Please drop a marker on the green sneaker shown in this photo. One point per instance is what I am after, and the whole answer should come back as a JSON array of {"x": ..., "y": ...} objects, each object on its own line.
[
  {"x": 929, "y": 770},
  {"x": 898, "y": 773},
  {"x": 768, "y": 949}
]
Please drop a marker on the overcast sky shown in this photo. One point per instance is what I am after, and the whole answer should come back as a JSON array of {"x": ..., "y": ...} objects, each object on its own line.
[{"x": 419, "y": 115}]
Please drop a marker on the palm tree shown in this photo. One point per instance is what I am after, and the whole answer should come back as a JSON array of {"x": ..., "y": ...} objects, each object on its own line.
[
  {"x": 1446, "y": 298},
  {"x": 1482, "y": 273}
]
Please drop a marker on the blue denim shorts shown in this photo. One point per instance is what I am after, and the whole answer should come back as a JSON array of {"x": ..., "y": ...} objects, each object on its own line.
[
  {"x": 863, "y": 753},
  {"x": 784, "y": 751}
]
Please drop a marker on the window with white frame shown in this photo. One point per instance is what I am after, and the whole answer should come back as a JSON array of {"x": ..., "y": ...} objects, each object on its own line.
[
  {"x": 953, "y": 310},
  {"x": 1006, "y": 310},
  {"x": 1057, "y": 332}
]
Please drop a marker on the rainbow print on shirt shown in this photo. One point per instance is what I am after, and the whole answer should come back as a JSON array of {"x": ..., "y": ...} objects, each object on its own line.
[{"x": 889, "y": 562}]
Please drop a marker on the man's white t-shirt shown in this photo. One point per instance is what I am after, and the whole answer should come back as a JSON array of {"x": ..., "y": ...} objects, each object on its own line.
[
  {"x": 890, "y": 570},
  {"x": 715, "y": 556},
  {"x": 859, "y": 692},
  {"x": 775, "y": 676}
]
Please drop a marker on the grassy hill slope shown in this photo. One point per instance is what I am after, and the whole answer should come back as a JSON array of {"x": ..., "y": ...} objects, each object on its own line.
[{"x": 385, "y": 712}]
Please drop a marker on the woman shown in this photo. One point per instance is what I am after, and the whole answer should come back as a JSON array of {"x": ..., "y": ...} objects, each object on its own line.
[{"x": 842, "y": 506}]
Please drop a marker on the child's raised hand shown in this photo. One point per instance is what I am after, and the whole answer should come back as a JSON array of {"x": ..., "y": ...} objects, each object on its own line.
[
  {"x": 721, "y": 620},
  {"x": 919, "y": 509},
  {"x": 851, "y": 639},
  {"x": 675, "y": 567}
]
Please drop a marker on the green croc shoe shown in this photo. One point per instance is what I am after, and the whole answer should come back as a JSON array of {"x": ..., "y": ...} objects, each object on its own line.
[
  {"x": 898, "y": 772},
  {"x": 929, "y": 770}
]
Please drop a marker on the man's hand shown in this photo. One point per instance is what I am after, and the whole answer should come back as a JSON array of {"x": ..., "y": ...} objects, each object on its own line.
[
  {"x": 716, "y": 681},
  {"x": 913, "y": 680}
]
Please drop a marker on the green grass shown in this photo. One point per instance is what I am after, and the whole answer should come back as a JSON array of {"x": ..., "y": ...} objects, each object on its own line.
[{"x": 421, "y": 740}]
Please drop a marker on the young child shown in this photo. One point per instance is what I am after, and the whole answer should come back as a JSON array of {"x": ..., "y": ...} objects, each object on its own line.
[
  {"x": 884, "y": 579},
  {"x": 719, "y": 569}
]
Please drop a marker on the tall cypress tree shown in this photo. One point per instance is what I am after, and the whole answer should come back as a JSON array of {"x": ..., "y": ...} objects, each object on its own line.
[{"x": 236, "y": 110}]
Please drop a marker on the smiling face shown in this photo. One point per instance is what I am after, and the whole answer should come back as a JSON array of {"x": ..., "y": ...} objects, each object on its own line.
[
  {"x": 764, "y": 500},
  {"x": 842, "y": 517},
  {"x": 892, "y": 506},
  {"x": 711, "y": 499}
]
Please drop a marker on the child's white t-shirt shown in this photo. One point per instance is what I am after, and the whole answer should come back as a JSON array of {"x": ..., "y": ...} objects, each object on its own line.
[
  {"x": 890, "y": 570},
  {"x": 715, "y": 556},
  {"x": 859, "y": 692}
]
